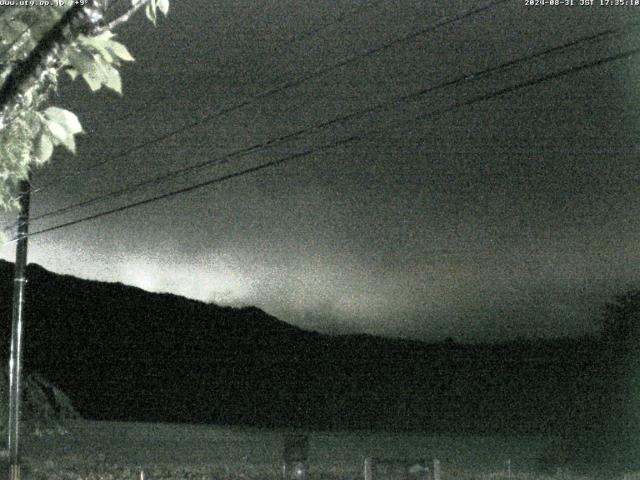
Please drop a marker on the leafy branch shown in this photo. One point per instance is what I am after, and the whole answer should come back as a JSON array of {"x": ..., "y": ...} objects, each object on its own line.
[
  {"x": 77, "y": 40},
  {"x": 151, "y": 9}
]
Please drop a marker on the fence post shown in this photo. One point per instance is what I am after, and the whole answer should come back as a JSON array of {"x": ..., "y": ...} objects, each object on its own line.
[
  {"x": 436, "y": 469},
  {"x": 368, "y": 470},
  {"x": 509, "y": 469}
]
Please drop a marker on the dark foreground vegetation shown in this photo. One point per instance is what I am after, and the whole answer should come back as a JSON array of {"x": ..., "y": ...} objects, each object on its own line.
[{"x": 121, "y": 353}]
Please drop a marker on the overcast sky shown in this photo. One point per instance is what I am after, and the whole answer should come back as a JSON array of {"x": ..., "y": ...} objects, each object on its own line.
[{"x": 512, "y": 216}]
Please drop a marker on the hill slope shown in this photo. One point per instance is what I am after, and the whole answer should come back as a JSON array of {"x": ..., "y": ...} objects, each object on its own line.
[{"x": 123, "y": 353}]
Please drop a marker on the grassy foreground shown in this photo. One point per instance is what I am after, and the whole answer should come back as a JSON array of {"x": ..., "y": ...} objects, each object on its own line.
[{"x": 116, "y": 450}]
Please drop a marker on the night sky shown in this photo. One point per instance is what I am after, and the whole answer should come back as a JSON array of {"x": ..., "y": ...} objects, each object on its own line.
[{"x": 513, "y": 216}]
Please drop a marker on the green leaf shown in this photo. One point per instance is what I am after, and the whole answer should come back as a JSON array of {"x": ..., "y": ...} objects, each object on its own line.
[
  {"x": 99, "y": 43},
  {"x": 81, "y": 60},
  {"x": 57, "y": 131},
  {"x": 44, "y": 148},
  {"x": 92, "y": 80},
  {"x": 70, "y": 143},
  {"x": 107, "y": 75},
  {"x": 106, "y": 54},
  {"x": 62, "y": 125},
  {"x": 150, "y": 10},
  {"x": 68, "y": 120},
  {"x": 113, "y": 80},
  {"x": 163, "y": 6},
  {"x": 61, "y": 136},
  {"x": 72, "y": 72},
  {"x": 106, "y": 35},
  {"x": 105, "y": 47},
  {"x": 120, "y": 51}
]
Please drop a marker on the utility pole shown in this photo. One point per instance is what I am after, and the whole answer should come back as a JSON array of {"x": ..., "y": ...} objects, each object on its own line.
[{"x": 15, "y": 359}]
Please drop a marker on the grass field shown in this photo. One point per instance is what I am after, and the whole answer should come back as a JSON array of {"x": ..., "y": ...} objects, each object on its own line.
[{"x": 115, "y": 450}]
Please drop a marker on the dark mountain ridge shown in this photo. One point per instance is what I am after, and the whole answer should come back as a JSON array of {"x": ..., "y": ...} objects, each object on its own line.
[{"x": 122, "y": 353}]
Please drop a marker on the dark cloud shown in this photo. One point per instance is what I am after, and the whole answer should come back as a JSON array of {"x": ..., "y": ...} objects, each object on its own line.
[{"x": 515, "y": 216}]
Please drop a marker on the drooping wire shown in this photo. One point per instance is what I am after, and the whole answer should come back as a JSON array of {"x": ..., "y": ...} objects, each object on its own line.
[
  {"x": 273, "y": 91},
  {"x": 348, "y": 140},
  {"x": 339, "y": 119},
  {"x": 341, "y": 18},
  {"x": 143, "y": 112}
]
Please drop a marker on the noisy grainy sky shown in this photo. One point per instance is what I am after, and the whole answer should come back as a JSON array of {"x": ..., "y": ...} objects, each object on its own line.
[{"x": 478, "y": 208}]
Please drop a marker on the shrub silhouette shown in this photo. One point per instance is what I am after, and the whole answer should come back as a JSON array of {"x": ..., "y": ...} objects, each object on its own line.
[
  {"x": 43, "y": 407},
  {"x": 606, "y": 428}
]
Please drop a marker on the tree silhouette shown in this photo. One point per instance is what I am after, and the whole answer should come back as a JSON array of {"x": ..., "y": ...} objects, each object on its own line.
[
  {"x": 36, "y": 45},
  {"x": 620, "y": 323},
  {"x": 613, "y": 433}
]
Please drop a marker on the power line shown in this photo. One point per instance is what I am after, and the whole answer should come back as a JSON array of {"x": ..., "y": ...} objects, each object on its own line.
[
  {"x": 345, "y": 141},
  {"x": 543, "y": 78},
  {"x": 280, "y": 45},
  {"x": 341, "y": 18},
  {"x": 275, "y": 90},
  {"x": 203, "y": 184},
  {"x": 339, "y": 119}
]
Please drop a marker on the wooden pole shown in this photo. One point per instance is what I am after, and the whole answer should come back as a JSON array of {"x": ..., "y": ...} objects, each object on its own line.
[{"x": 15, "y": 359}]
